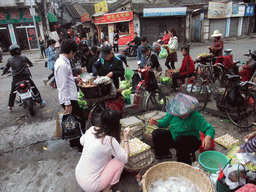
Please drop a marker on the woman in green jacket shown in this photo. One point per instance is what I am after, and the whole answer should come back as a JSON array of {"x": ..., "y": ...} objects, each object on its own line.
[{"x": 184, "y": 125}]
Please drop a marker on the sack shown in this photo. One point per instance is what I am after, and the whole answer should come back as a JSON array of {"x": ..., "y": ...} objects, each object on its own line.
[
  {"x": 45, "y": 64},
  {"x": 71, "y": 128},
  {"x": 128, "y": 73},
  {"x": 163, "y": 53},
  {"x": 135, "y": 81},
  {"x": 235, "y": 98}
]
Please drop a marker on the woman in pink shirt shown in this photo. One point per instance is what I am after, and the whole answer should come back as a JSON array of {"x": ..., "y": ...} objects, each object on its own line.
[{"x": 97, "y": 170}]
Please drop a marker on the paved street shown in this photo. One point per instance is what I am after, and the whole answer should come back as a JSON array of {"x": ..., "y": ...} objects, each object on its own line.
[{"x": 33, "y": 160}]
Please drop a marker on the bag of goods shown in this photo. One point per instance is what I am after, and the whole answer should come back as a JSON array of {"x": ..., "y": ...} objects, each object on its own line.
[
  {"x": 124, "y": 84},
  {"x": 140, "y": 154},
  {"x": 166, "y": 80},
  {"x": 102, "y": 80},
  {"x": 126, "y": 92},
  {"x": 169, "y": 72},
  {"x": 136, "y": 125},
  {"x": 86, "y": 77}
]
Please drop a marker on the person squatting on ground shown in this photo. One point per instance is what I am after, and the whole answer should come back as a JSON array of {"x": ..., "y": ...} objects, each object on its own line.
[
  {"x": 171, "y": 47},
  {"x": 108, "y": 65},
  {"x": 115, "y": 43},
  {"x": 20, "y": 71},
  {"x": 140, "y": 56},
  {"x": 217, "y": 44},
  {"x": 103, "y": 158},
  {"x": 66, "y": 84},
  {"x": 184, "y": 125},
  {"x": 50, "y": 52},
  {"x": 182, "y": 74},
  {"x": 151, "y": 59}
]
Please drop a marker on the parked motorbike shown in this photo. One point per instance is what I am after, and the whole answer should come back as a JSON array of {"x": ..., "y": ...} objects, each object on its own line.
[
  {"x": 129, "y": 50},
  {"x": 27, "y": 98}
]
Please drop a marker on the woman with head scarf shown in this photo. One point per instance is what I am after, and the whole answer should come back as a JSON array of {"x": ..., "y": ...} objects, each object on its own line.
[{"x": 180, "y": 129}]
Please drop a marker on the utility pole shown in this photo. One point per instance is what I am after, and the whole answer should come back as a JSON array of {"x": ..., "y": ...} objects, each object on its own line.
[{"x": 33, "y": 12}]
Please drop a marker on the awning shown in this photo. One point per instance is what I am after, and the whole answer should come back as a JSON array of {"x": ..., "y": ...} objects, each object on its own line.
[{"x": 52, "y": 18}]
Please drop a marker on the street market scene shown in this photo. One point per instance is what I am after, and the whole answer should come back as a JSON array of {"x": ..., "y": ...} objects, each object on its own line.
[{"x": 127, "y": 96}]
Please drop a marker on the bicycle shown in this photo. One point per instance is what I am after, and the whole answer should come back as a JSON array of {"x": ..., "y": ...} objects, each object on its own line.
[
  {"x": 237, "y": 101},
  {"x": 155, "y": 99}
]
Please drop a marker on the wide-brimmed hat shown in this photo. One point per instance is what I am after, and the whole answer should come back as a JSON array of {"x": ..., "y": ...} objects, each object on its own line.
[
  {"x": 181, "y": 104},
  {"x": 216, "y": 33},
  {"x": 105, "y": 50}
]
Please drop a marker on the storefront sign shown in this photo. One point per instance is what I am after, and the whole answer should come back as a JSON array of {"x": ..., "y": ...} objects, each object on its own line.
[
  {"x": 238, "y": 10},
  {"x": 12, "y": 34},
  {"x": 7, "y": 17},
  {"x": 113, "y": 18},
  {"x": 158, "y": 12},
  {"x": 249, "y": 10},
  {"x": 219, "y": 10},
  {"x": 101, "y": 7},
  {"x": 85, "y": 18}
]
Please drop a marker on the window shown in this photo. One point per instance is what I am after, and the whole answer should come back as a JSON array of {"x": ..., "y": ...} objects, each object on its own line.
[{"x": 123, "y": 28}]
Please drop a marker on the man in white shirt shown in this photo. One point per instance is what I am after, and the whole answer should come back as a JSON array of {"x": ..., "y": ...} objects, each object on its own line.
[{"x": 66, "y": 84}]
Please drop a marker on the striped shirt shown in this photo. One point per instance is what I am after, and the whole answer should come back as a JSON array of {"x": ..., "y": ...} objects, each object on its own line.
[{"x": 249, "y": 146}]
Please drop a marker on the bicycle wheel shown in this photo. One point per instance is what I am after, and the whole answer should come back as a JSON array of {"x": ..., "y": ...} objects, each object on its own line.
[
  {"x": 240, "y": 108},
  {"x": 199, "y": 90},
  {"x": 156, "y": 101},
  {"x": 96, "y": 113}
]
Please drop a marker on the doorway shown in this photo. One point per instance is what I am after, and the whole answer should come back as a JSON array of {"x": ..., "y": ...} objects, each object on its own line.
[
  {"x": 22, "y": 38},
  {"x": 4, "y": 40}
]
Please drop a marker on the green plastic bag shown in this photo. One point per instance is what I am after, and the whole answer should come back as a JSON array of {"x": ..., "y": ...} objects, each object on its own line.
[
  {"x": 128, "y": 73},
  {"x": 163, "y": 53}
]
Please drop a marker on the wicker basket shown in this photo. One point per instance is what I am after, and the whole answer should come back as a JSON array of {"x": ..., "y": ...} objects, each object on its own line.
[{"x": 166, "y": 170}]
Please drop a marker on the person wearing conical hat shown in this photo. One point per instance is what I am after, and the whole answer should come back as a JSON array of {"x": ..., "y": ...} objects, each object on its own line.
[
  {"x": 184, "y": 125},
  {"x": 217, "y": 45}
]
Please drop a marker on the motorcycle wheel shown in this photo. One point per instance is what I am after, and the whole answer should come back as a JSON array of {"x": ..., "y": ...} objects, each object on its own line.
[{"x": 29, "y": 103}]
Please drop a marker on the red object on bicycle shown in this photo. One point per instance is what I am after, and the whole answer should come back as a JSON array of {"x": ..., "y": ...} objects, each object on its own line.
[
  {"x": 227, "y": 61},
  {"x": 137, "y": 94},
  {"x": 144, "y": 72},
  {"x": 245, "y": 73}
]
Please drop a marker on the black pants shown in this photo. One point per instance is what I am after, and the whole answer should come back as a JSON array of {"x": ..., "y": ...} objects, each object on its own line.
[
  {"x": 43, "y": 52},
  {"x": 184, "y": 145},
  {"x": 79, "y": 112},
  {"x": 115, "y": 48},
  {"x": 12, "y": 95},
  {"x": 176, "y": 76},
  {"x": 52, "y": 75}
]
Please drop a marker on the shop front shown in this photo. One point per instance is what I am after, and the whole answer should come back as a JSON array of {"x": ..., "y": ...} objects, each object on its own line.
[
  {"x": 156, "y": 20},
  {"x": 16, "y": 27},
  {"x": 121, "y": 22}
]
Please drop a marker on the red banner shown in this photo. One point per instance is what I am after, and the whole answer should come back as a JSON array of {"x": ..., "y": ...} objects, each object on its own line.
[
  {"x": 85, "y": 18},
  {"x": 114, "y": 17}
]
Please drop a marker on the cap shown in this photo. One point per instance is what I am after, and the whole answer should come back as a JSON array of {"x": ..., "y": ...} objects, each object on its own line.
[{"x": 105, "y": 50}]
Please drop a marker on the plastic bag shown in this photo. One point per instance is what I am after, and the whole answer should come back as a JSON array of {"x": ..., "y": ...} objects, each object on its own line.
[
  {"x": 71, "y": 128},
  {"x": 128, "y": 73},
  {"x": 232, "y": 173},
  {"x": 163, "y": 53}
]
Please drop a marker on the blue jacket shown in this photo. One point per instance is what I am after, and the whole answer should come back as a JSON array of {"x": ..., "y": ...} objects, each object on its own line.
[
  {"x": 50, "y": 52},
  {"x": 141, "y": 57}
]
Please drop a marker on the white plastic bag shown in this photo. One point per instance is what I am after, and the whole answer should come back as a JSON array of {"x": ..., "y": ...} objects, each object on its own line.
[{"x": 234, "y": 168}]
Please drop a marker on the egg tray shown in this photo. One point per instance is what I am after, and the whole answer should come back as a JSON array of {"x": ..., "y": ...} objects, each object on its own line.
[
  {"x": 140, "y": 160},
  {"x": 137, "y": 130},
  {"x": 152, "y": 114},
  {"x": 227, "y": 141}
]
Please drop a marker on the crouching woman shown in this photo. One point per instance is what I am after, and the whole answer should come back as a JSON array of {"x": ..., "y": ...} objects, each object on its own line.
[
  {"x": 184, "y": 125},
  {"x": 97, "y": 170}
]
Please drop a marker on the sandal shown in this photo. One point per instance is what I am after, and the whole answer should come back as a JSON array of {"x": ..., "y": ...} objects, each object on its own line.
[{"x": 164, "y": 156}]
